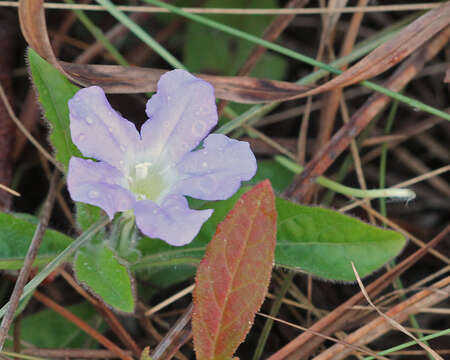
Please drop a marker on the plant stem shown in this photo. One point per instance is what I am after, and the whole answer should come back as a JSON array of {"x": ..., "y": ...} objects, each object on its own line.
[{"x": 402, "y": 194}]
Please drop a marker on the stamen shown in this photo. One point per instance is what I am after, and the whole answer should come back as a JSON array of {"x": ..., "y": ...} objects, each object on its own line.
[{"x": 142, "y": 169}]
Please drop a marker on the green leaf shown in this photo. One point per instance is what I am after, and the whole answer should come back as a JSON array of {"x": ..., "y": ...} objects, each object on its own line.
[
  {"x": 324, "y": 242},
  {"x": 88, "y": 215},
  {"x": 98, "y": 268},
  {"x": 319, "y": 241},
  {"x": 15, "y": 239},
  {"x": 56, "y": 331},
  {"x": 279, "y": 176},
  {"x": 54, "y": 92}
]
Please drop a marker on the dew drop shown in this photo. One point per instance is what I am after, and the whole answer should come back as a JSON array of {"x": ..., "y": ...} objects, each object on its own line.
[
  {"x": 89, "y": 120},
  {"x": 204, "y": 164},
  {"x": 110, "y": 129},
  {"x": 93, "y": 194},
  {"x": 199, "y": 128}
]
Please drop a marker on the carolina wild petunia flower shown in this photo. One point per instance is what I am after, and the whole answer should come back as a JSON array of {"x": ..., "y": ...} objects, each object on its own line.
[{"x": 151, "y": 172}]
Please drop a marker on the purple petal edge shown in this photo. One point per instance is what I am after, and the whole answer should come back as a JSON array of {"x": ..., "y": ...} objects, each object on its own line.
[{"x": 172, "y": 222}]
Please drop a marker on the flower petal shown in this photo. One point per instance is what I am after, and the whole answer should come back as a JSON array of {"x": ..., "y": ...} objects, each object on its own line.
[
  {"x": 181, "y": 114},
  {"x": 216, "y": 171},
  {"x": 172, "y": 222},
  {"x": 98, "y": 130},
  {"x": 99, "y": 184}
]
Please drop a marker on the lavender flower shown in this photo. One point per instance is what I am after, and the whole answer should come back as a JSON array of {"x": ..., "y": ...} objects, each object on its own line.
[{"x": 151, "y": 172}]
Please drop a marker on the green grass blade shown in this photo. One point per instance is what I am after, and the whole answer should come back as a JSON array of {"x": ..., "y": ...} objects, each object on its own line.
[
  {"x": 297, "y": 56},
  {"x": 141, "y": 33},
  {"x": 98, "y": 34}
]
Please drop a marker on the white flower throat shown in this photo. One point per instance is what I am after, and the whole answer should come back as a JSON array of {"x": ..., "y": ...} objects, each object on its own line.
[{"x": 147, "y": 181}]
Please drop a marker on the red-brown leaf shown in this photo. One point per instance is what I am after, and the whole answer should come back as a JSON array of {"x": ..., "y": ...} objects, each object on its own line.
[{"x": 234, "y": 275}]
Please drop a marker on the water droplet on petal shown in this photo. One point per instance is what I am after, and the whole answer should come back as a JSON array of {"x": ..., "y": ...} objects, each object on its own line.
[
  {"x": 81, "y": 137},
  {"x": 93, "y": 194},
  {"x": 110, "y": 129},
  {"x": 199, "y": 128},
  {"x": 204, "y": 164},
  {"x": 89, "y": 120}
]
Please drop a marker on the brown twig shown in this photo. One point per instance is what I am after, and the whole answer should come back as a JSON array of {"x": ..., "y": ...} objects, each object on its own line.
[
  {"x": 340, "y": 141},
  {"x": 108, "y": 315},
  {"x": 382, "y": 324},
  {"x": 30, "y": 112},
  {"x": 306, "y": 343},
  {"x": 29, "y": 259},
  {"x": 8, "y": 39},
  {"x": 114, "y": 33},
  {"x": 82, "y": 325},
  {"x": 332, "y": 100},
  {"x": 175, "y": 338},
  {"x": 26, "y": 132},
  {"x": 272, "y": 32},
  {"x": 73, "y": 353},
  {"x": 325, "y": 337},
  {"x": 417, "y": 165}
]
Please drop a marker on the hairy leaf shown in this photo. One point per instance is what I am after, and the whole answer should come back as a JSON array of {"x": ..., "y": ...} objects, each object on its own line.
[
  {"x": 233, "y": 277},
  {"x": 316, "y": 240},
  {"x": 324, "y": 242},
  {"x": 15, "y": 239},
  {"x": 54, "y": 92},
  {"x": 98, "y": 268},
  {"x": 279, "y": 176}
]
